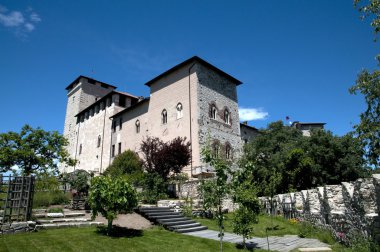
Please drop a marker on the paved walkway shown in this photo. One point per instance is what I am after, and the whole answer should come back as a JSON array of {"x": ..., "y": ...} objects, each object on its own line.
[{"x": 277, "y": 243}]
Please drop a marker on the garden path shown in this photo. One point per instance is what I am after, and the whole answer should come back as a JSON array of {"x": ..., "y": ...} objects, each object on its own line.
[{"x": 278, "y": 243}]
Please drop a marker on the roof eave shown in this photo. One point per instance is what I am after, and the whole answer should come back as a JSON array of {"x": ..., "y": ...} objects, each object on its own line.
[{"x": 194, "y": 58}]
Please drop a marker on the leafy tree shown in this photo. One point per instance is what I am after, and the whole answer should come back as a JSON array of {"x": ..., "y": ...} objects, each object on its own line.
[
  {"x": 283, "y": 160},
  {"x": 220, "y": 190},
  {"x": 207, "y": 193},
  {"x": 163, "y": 158},
  {"x": 127, "y": 163},
  {"x": 33, "y": 150},
  {"x": 154, "y": 188},
  {"x": 370, "y": 9},
  {"x": 160, "y": 160},
  {"x": 78, "y": 180},
  {"x": 245, "y": 216},
  {"x": 368, "y": 84},
  {"x": 368, "y": 130},
  {"x": 109, "y": 196}
]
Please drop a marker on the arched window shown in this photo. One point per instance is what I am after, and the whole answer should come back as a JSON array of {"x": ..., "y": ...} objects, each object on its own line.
[
  {"x": 164, "y": 116},
  {"x": 228, "y": 151},
  {"x": 227, "y": 118},
  {"x": 99, "y": 141},
  {"x": 137, "y": 123},
  {"x": 179, "y": 110},
  {"x": 213, "y": 112},
  {"x": 215, "y": 149}
]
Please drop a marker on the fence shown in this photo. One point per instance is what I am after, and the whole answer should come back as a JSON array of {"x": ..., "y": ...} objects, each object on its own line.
[
  {"x": 287, "y": 208},
  {"x": 16, "y": 198}
]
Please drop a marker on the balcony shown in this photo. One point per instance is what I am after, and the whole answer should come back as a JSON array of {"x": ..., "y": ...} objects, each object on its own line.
[{"x": 204, "y": 171}]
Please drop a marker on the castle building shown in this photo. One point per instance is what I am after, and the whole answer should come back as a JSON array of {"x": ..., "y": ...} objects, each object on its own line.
[
  {"x": 306, "y": 127},
  {"x": 194, "y": 99}
]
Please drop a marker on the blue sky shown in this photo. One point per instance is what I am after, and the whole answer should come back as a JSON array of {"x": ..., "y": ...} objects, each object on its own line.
[{"x": 295, "y": 58}]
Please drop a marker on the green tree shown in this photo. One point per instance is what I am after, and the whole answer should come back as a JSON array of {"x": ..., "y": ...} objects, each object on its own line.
[
  {"x": 284, "y": 160},
  {"x": 127, "y": 163},
  {"x": 33, "y": 150},
  {"x": 109, "y": 196},
  {"x": 244, "y": 191},
  {"x": 207, "y": 194},
  {"x": 221, "y": 189},
  {"x": 370, "y": 9},
  {"x": 154, "y": 188},
  {"x": 368, "y": 129},
  {"x": 78, "y": 180},
  {"x": 368, "y": 84}
]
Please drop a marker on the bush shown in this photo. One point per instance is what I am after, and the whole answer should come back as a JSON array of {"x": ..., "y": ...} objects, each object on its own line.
[
  {"x": 154, "y": 187},
  {"x": 306, "y": 229},
  {"x": 78, "y": 180},
  {"x": 109, "y": 196},
  {"x": 127, "y": 163},
  {"x": 47, "y": 198}
]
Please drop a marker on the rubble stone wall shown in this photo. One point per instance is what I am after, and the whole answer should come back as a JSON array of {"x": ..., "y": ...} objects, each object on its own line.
[{"x": 348, "y": 208}]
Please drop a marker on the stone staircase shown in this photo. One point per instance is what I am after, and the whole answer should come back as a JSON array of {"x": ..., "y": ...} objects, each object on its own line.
[
  {"x": 173, "y": 221},
  {"x": 63, "y": 220}
]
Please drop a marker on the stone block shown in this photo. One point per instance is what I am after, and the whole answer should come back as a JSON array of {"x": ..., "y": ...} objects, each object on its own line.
[
  {"x": 318, "y": 249},
  {"x": 54, "y": 215}
]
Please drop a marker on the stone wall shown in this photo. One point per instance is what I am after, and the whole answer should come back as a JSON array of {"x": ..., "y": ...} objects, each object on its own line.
[
  {"x": 346, "y": 209},
  {"x": 216, "y": 90}
]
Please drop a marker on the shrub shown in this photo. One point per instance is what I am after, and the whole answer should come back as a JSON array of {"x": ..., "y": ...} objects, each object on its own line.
[
  {"x": 109, "y": 196},
  {"x": 127, "y": 163},
  {"x": 153, "y": 188},
  {"x": 47, "y": 198}
]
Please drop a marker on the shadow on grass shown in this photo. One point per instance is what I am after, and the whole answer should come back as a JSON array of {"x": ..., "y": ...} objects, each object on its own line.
[
  {"x": 250, "y": 246},
  {"x": 277, "y": 227},
  {"x": 119, "y": 232}
]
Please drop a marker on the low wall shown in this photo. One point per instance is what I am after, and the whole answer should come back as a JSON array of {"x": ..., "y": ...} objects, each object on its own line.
[{"x": 346, "y": 209}]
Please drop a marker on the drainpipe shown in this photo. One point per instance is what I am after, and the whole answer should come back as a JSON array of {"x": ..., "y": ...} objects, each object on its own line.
[
  {"x": 111, "y": 141},
  {"x": 76, "y": 147},
  {"x": 101, "y": 155},
  {"x": 191, "y": 136}
]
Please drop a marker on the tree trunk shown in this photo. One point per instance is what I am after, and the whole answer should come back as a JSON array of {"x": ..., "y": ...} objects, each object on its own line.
[
  {"x": 109, "y": 227},
  {"x": 220, "y": 227}
]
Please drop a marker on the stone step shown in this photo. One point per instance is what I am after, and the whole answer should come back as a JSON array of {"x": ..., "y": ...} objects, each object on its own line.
[
  {"x": 59, "y": 215},
  {"x": 171, "y": 223},
  {"x": 188, "y": 230},
  {"x": 167, "y": 215},
  {"x": 62, "y": 220},
  {"x": 172, "y": 219},
  {"x": 159, "y": 213},
  {"x": 160, "y": 217},
  {"x": 75, "y": 214},
  {"x": 68, "y": 224},
  {"x": 319, "y": 249},
  {"x": 144, "y": 209},
  {"x": 196, "y": 224}
]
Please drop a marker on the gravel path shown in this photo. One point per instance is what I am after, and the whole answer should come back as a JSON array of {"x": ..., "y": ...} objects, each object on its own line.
[{"x": 133, "y": 221}]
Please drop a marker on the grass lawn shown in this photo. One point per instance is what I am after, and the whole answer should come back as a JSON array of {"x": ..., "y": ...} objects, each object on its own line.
[
  {"x": 89, "y": 239},
  {"x": 284, "y": 227}
]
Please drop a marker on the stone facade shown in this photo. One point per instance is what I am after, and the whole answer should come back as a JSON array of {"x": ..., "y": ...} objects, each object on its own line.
[
  {"x": 248, "y": 133},
  {"x": 346, "y": 209},
  {"x": 97, "y": 135}
]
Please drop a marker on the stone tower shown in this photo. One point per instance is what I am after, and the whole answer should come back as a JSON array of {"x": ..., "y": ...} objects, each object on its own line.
[{"x": 81, "y": 93}]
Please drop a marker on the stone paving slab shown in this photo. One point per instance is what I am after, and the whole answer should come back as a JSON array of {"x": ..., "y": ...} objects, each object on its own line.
[{"x": 276, "y": 243}]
